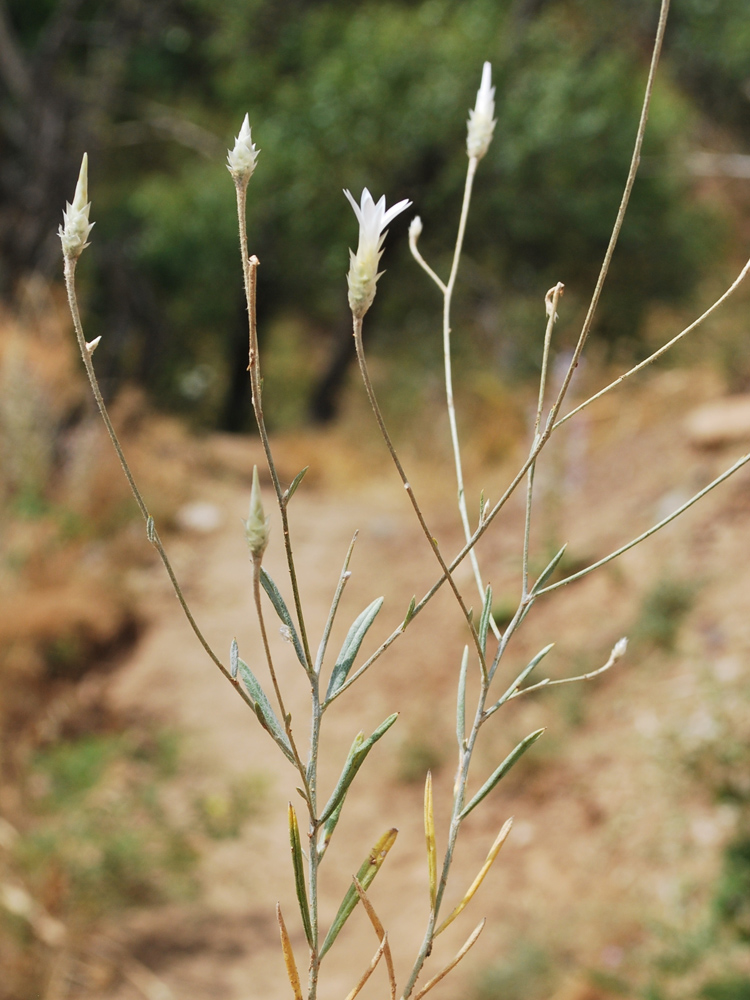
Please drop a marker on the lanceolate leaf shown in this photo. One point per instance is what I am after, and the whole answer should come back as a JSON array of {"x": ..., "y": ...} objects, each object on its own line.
[
  {"x": 351, "y": 647},
  {"x": 523, "y": 675},
  {"x": 548, "y": 570},
  {"x": 506, "y": 765},
  {"x": 367, "y": 872},
  {"x": 299, "y": 874},
  {"x": 429, "y": 832},
  {"x": 283, "y": 612},
  {"x": 294, "y": 484},
  {"x": 461, "y": 702},
  {"x": 359, "y": 750},
  {"x": 265, "y": 713},
  {"x": 484, "y": 621}
]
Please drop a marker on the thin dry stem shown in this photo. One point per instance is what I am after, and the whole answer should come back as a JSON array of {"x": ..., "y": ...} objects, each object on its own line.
[
  {"x": 453, "y": 963},
  {"x": 380, "y": 931}
]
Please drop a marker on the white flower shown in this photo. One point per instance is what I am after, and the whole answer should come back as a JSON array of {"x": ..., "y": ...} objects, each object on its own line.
[
  {"x": 363, "y": 265},
  {"x": 241, "y": 159},
  {"x": 482, "y": 122},
  {"x": 76, "y": 226}
]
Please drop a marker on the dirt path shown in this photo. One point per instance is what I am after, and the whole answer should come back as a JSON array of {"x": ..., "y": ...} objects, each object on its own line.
[{"x": 608, "y": 828}]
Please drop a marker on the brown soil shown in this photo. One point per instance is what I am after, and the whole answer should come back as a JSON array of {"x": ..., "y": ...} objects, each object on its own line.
[{"x": 616, "y": 845}]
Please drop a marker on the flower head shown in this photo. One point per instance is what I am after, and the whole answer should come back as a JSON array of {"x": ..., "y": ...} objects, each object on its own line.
[
  {"x": 256, "y": 526},
  {"x": 363, "y": 265},
  {"x": 76, "y": 226},
  {"x": 241, "y": 159},
  {"x": 482, "y": 122}
]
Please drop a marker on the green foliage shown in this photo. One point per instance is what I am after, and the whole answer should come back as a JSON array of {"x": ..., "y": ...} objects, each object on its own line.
[
  {"x": 377, "y": 94},
  {"x": 526, "y": 975},
  {"x": 733, "y": 988},
  {"x": 663, "y": 609},
  {"x": 101, "y": 840},
  {"x": 733, "y": 891}
]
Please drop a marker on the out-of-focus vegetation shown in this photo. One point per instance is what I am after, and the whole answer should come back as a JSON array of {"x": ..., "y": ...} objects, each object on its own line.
[{"x": 340, "y": 96}]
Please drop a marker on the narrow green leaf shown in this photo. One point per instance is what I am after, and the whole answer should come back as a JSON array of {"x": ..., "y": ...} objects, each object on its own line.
[
  {"x": 263, "y": 710},
  {"x": 522, "y": 676},
  {"x": 351, "y": 646},
  {"x": 283, "y": 612},
  {"x": 356, "y": 758},
  {"x": 501, "y": 771},
  {"x": 367, "y": 872},
  {"x": 548, "y": 570},
  {"x": 461, "y": 702},
  {"x": 234, "y": 659},
  {"x": 484, "y": 621},
  {"x": 299, "y": 874},
  {"x": 294, "y": 484},
  {"x": 409, "y": 612}
]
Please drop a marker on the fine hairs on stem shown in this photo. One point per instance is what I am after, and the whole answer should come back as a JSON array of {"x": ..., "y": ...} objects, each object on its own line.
[{"x": 328, "y": 679}]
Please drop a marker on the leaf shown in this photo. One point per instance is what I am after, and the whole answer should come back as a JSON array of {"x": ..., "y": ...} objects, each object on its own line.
[
  {"x": 234, "y": 656},
  {"x": 484, "y": 621},
  {"x": 328, "y": 827},
  {"x": 461, "y": 702},
  {"x": 501, "y": 771},
  {"x": 522, "y": 676},
  {"x": 286, "y": 948},
  {"x": 493, "y": 853},
  {"x": 409, "y": 612},
  {"x": 454, "y": 962},
  {"x": 292, "y": 489},
  {"x": 548, "y": 570},
  {"x": 367, "y": 872},
  {"x": 283, "y": 612},
  {"x": 151, "y": 530},
  {"x": 299, "y": 874},
  {"x": 356, "y": 758},
  {"x": 429, "y": 832},
  {"x": 263, "y": 710},
  {"x": 351, "y": 646}
]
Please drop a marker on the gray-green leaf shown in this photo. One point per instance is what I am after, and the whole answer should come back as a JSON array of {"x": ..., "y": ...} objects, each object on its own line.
[
  {"x": 283, "y": 612},
  {"x": 351, "y": 646},
  {"x": 265, "y": 713},
  {"x": 501, "y": 771}
]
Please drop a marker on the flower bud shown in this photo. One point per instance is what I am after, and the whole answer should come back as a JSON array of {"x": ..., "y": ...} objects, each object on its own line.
[
  {"x": 415, "y": 229},
  {"x": 481, "y": 122},
  {"x": 256, "y": 526},
  {"x": 76, "y": 226},
  {"x": 241, "y": 159}
]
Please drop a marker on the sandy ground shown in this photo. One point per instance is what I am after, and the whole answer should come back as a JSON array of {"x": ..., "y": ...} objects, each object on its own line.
[{"x": 613, "y": 837}]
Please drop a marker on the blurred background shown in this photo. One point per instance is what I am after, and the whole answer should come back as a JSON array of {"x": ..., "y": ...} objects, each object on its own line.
[{"x": 343, "y": 95}]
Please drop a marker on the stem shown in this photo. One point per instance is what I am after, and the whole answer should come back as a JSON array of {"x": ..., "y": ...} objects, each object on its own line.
[
  {"x": 447, "y": 298},
  {"x": 249, "y": 273},
  {"x": 662, "y": 350},
  {"x": 407, "y": 486},
  {"x": 557, "y": 292},
  {"x": 70, "y": 269},
  {"x": 651, "y": 531},
  {"x": 634, "y": 164}
]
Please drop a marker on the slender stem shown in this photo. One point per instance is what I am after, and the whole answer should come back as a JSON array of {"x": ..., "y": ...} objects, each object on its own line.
[
  {"x": 343, "y": 577},
  {"x": 313, "y": 854},
  {"x": 552, "y": 306},
  {"x": 249, "y": 273},
  {"x": 634, "y": 164},
  {"x": 423, "y": 263},
  {"x": 548, "y": 682},
  {"x": 651, "y": 531},
  {"x": 407, "y": 486},
  {"x": 70, "y": 269},
  {"x": 662, "y": 350},
  {"x": 451, "y": 406}
]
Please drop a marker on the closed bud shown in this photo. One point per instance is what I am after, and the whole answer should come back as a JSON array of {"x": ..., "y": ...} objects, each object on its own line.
[
  {"x": 241, "y": 159},
  {"x": 481, "y": 124},
  {"x": 257, "y": 525},
  {"x": 76, "y": 226}
]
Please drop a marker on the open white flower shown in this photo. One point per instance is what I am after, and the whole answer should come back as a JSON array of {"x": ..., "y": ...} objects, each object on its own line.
[
  {"x": 363, "y": 265},
  {"x": 76, "y": 226},
  {"x": 482, "y": 122},
  {"x": 241, "y": 159}
]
